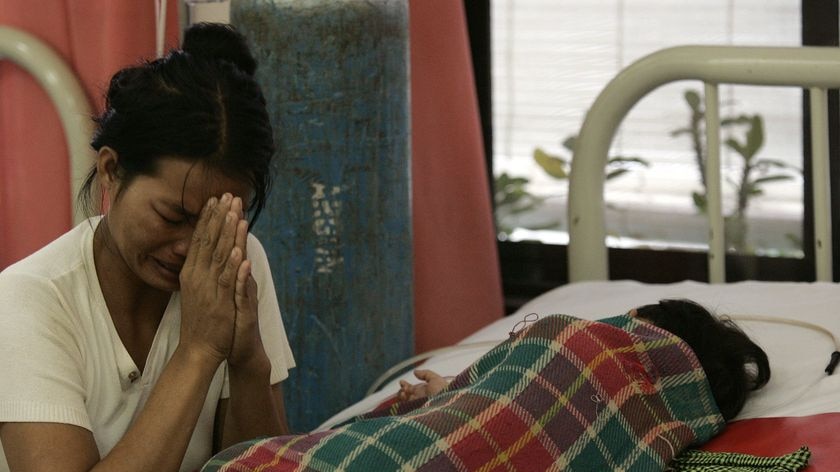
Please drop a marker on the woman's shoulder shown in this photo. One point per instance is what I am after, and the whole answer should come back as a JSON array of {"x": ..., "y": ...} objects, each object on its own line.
[
  {"x": 61, "y": 264},
  {"x": 257, "y": 254},
  {"x": 50, "y": 291},
  {"x": 254, "y": 245},
  {"x": 63, "y": 254}
]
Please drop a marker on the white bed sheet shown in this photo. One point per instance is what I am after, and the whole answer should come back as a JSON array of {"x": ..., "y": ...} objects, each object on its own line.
[{"x": 798, "y": 356}]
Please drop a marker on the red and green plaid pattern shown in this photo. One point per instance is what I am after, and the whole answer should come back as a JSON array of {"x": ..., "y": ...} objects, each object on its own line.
[{"x": 563, "y": 394}]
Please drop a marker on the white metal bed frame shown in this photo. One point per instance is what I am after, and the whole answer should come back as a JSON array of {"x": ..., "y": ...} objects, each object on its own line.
[
  {"x": 60, "y": 83},
  {"x": 814, "y": 68}
]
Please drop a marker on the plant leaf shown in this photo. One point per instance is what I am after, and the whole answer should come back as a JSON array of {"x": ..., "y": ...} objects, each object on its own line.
[
  {"x": 737, "y": 147},
  {"x": 755, "y": 137},
  {"x": 569, "y": 143},
  {"x": 692, "y": 97},
  {"x": 776, "y": 163},
  {"x": 771, "y": 178},
  {"x": 735, "y": 120},
  {"x": 620, "y": 160},
  {"x": 699, "y": 201},
  {"x": 552, "y": 165},
  {"x": 615, "y": 173}
]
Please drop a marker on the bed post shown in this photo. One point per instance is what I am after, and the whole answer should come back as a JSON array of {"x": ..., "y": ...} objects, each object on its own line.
[
  {"x": 74, "y": 111},
  {"x": 815, "y": 67}
]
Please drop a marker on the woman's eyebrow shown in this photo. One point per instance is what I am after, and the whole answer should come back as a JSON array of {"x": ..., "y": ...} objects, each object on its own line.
[{"x": 180, "y": 209}]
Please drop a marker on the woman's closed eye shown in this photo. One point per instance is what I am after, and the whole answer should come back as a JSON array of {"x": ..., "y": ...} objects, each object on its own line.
[
  {"x": 172, "y": 220},
  {"x": 174, "y": 215}
]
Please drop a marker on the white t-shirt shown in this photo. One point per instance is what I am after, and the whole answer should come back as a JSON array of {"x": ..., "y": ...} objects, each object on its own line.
[{"x": 62, "y": 361}]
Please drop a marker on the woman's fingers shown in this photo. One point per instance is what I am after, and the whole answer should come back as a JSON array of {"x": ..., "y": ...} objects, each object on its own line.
[
  {"x": 242, "y": 226},
  {"x": 242, "y": 237},
  {"x": 200, "y": 230},
  {"x": 217, "y": 223},
  {"x": 229, "y": 276},
  {"x": 245, "y": 293},
  {"x": 226, "y": 239},
  {"x": 215, "y": 234},
  {"x": 242, "y": 291},
  {"x": 206, "y": 231}
]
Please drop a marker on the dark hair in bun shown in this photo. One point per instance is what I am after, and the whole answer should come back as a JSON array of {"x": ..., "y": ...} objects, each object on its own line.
[
  {"x": 200, "y": 103},
  {"x": 221, "y": 42}
]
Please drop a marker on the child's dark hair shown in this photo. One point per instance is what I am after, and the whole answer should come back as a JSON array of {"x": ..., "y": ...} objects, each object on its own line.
[
  {"x": 200, "y": 103},
  {"x": 733, "y": 363}
]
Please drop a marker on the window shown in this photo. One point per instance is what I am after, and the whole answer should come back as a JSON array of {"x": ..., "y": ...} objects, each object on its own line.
[{"x": 549, "y": 61}]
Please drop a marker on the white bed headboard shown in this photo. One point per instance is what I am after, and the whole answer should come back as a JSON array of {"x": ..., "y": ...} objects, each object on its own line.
[
  {"x": 66, "y": 93},
  {"x": 814, "y": 68}
]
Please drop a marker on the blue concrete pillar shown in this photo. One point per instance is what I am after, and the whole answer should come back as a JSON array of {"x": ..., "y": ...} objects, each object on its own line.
[{"x": 337, "y": 228}]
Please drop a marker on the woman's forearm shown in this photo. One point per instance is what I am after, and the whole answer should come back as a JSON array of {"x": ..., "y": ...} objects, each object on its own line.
[
  {"x": 158, "y": 439},
  {"x": 251, "y": 410}
]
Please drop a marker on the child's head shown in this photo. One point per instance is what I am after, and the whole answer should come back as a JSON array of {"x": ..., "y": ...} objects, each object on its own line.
[{"x": 733, "y": 363}]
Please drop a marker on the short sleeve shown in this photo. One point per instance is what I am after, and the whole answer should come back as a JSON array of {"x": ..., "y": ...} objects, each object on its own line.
[
  {"x": 272, "y": 331},
  {"x": 41, "y": 362}
]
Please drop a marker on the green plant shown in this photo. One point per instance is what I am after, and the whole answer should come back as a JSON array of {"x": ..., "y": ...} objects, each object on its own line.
[
  {"x": 559, "y": 166},
  {"x": 512, "y": 198},
  {"x": 754, "y": 173}
]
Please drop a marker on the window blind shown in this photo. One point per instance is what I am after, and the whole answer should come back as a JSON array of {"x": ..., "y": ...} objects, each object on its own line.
[{"x": 552, "y": 57}]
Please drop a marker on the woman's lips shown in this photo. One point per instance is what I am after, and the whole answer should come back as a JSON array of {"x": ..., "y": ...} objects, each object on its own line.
[{"x": 174, "y": 269}]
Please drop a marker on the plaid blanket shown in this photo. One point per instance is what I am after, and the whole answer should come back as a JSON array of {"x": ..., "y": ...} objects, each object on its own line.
[
  {"x": 705, "y": 461},
  {"x": 562, "y": 394}
]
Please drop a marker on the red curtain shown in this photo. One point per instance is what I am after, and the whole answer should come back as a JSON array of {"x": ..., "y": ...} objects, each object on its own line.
[
  {"x": 96, "y": 38},
  {"x": 456, "y": 269}
]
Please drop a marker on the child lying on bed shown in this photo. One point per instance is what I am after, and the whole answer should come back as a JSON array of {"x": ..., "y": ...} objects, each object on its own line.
[
  {"x": 623, "y": 393},
  {"x": 724, "y": 351}
]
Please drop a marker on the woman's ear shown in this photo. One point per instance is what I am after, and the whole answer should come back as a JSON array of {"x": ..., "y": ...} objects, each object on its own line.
[
  {"x": 108, "y": 175},
  {"x": 106, "y": 170}
]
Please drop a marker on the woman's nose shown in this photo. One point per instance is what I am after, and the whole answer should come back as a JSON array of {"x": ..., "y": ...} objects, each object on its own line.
[{"x": 183, "y": 245}]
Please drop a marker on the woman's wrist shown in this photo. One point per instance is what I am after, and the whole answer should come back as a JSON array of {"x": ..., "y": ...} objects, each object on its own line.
[
  {"x": 256, "y": 365},
  {"x": 203, "y": 359}
]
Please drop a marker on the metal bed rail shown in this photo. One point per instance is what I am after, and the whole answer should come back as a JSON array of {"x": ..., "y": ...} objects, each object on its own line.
[
  {"x": 814, "y": 68},
  {"x": 63, "y": 88}
]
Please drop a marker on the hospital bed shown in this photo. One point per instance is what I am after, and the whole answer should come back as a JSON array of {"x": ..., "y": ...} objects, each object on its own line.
[{"x": 795, "y": 322}]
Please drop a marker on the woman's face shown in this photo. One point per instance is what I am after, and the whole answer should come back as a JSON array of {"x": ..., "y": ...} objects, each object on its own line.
[{"x": 150, "y": 220}]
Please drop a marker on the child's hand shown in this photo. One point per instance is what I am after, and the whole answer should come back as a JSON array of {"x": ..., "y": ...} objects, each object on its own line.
[{"x": 433, "y": 383}]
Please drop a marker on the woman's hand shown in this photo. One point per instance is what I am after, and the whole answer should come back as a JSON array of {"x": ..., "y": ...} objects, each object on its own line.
[
  {"x": 247, "y": 349},
  {"x": 208, "y": 281},
  {"x": 255, "y": 407}
]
